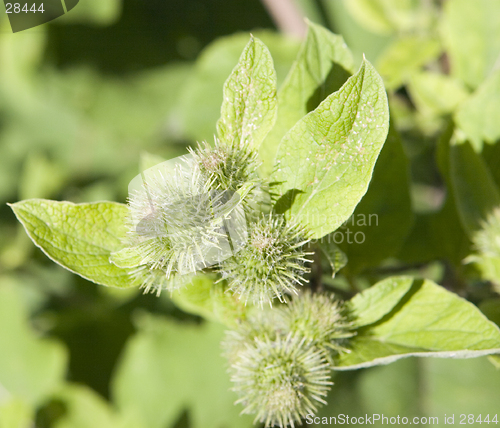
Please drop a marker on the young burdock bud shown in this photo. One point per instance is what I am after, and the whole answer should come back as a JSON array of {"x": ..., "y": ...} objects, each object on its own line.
[
  {"x": 281, "y": 380},
  {"x": 227, "y": 166},
  {"x": 233, "y": 167},
  {"x": 271, "y": 264},
  {"x": 179, "y": 224},
  {"x": 258, "y": 324},
  {"x": 319, "y": 318}
]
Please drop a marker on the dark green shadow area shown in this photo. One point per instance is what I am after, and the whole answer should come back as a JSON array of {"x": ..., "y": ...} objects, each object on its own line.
[{"x": 152, "y": 33}]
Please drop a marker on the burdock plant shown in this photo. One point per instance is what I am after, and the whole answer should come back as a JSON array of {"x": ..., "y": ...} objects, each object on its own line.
[
  {"x": 236, "y": 231},
  {"x": 271, "y": 265}
]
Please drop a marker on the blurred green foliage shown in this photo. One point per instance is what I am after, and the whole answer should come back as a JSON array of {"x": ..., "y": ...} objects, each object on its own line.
[{"x": 82, "y": 98}]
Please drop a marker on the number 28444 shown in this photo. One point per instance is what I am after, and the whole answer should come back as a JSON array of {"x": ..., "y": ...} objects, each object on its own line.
[{"x": 19, "y": 8}]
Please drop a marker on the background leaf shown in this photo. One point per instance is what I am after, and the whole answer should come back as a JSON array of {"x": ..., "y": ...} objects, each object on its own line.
[
  {"x": 209, "y": 300},
  {"x": 161, "y": 374},
  {"x": 83, "y": 408},
  {"x": 31, "y": 368},
  {"x": 387, "y": 16},
  {"x": 475, "y": 191},
  {"x": 404, "y": 57},
  {"x": 471, "y": 28},
  {"x": 436, "y": 93},
  {"x": 477, "y": 117}
]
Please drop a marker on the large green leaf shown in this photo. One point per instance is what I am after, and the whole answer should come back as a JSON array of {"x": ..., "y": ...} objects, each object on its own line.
[
  {"x": 31, "y": 368},
  {"x": 79, "y": 237},
  {"x": 325, "y": 162},
  {"x": 374, "y": 303},
  {"x": 476, "y": 194},
  {"x": 168, "y": 367},
  {"x": 478, "y": 116},
  {"x": 322, "y": 66},
  {"x": 471, "y": 34},
  {"x": 249, "y": 103},
  {"x": 427, "y": 321}
]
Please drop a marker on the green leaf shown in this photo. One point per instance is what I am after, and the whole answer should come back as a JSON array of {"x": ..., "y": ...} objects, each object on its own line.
[
  {"x": 83, "y": 408},
  {"x": 41, "y": 177},
  {"x": 358, "y": 37},
  {"x": 372, "y": 304},
  {"x": 209, "y": 300},
  {"x": 15, "y": 413},
  {"x": 325, "y": 162},
  {"x": 476, "y": 194},
  {"x": 387, "y": 16},
  {"x": 471, "y": 35},
  {"x": 249, "y": 103},
  {"x": 149, "y": 160},
  {"x": 31, "y": 368},
  {"x": 336, "y": 257},
  {"x": 383, "y": 219},
  {"x": 428, "y": 321},
  {"x": 435, "y": 93},
  {"x": 201, "y": 97},
  {"x": 404, "y": 57},
  {"x": 79, "y": 237},
  {"x": 169, "y": 367},
  {"x": 478, "y": 116},
  {"x": 322, "y": 66}
]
